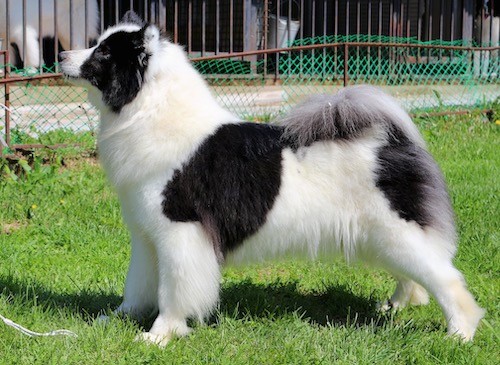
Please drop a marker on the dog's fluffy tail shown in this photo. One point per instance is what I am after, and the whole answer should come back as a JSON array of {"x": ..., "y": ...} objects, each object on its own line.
[{"x": 347, "y": 115}]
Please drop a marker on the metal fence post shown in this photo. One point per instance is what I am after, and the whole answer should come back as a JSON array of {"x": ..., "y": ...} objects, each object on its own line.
[
  {"x": 7, "y": 97},
  {"x": 346, "y": 63}
]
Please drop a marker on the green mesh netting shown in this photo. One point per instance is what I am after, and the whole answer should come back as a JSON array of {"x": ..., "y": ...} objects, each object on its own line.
[
  {"x": 259, "y": 87},
  {"x": 31, "y": 71}
]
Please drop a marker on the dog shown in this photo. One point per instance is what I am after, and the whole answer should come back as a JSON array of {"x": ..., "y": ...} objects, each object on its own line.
[
  {"x": 339, "y": 174},
  {"x": 72, "y": 31}
]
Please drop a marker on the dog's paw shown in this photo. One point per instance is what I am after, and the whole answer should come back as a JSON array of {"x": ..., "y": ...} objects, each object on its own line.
[
  {"x": 31, "y": 71},
  {"x": 164, "y": 338},
  {"x": 383, "y": 307},
  {"x": 388, "y": 306},
  {"x": 150, "y": 338}
]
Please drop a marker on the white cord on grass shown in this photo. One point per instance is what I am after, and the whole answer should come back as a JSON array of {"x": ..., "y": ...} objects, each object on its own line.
[{"x": 30, "y": 333}]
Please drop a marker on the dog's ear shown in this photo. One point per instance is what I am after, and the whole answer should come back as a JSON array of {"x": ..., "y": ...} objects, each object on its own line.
[
  {"x": 132, "y": 17},
  {"x": 150, "y": 37}
]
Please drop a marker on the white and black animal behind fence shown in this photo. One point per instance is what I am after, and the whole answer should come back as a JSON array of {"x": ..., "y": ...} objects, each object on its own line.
[{"x": 35, "y": 31}]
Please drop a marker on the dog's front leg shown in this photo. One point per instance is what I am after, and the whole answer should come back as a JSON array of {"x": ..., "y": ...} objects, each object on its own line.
[
  {"x": 141, "y": 286},
  {"x": 189, "y": 279}
]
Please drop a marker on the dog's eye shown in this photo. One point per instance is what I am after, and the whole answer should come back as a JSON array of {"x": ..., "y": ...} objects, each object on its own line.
[{"x": 103, "y": 51}]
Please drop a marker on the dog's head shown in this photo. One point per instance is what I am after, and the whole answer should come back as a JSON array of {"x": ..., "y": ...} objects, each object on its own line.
[{"x": 117, "y": 65}]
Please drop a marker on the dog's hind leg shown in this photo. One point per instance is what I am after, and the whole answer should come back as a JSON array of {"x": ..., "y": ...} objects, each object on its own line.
[
  {"x": 407, "y": 292},
  {"x": 32, "y": 47},
  {"x": 417, "y": 256},
  {"x": 189, "y": 280}
]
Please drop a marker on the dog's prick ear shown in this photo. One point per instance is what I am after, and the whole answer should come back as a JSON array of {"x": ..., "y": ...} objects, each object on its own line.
[
  {"x": 132, "y": 17},
  {"x": 151, "y": 34}
]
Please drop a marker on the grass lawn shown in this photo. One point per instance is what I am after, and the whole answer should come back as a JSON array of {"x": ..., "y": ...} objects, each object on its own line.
[{"x": 64, "y": 254}]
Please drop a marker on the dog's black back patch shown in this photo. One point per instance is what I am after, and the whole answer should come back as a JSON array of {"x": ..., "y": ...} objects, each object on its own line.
[{"x": 230, "y": 184}]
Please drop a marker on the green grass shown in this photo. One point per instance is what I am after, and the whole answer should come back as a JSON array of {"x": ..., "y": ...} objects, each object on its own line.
[{"x": 64, "y": 253}]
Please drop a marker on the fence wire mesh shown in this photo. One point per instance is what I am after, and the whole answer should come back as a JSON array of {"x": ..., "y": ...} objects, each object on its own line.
[
  {"x": 424, "y": 76},
  {"x": 47, "y": 106}
]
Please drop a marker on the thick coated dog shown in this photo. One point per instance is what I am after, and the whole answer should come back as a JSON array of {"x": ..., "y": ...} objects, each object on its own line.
[
  {"x": 346, "y": 173},
  {"x": 71, "y": 29}
]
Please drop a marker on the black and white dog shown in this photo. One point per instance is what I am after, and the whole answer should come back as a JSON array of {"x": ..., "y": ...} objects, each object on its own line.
[{"x": 346, "y": 173}]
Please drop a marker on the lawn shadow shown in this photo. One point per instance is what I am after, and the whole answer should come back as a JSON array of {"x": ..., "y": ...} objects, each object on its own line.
[
  {"x": 88, "y": 304},
  {"x": 335, "y": 305}
]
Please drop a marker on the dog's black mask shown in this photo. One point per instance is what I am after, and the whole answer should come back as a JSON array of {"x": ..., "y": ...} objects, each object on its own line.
[{"x": 117, "y": 67}]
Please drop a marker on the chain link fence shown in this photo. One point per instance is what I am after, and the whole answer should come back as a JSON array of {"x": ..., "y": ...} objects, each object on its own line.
[
  {"x": 40, "y": 107},
  {"x": 423, "y": 76}
]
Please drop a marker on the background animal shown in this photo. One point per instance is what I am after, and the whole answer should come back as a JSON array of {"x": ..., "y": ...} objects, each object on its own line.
[{"x": 71, "y": 26}]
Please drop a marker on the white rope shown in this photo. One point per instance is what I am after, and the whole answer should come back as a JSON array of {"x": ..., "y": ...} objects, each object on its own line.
[{"x": 30, "y": 333}]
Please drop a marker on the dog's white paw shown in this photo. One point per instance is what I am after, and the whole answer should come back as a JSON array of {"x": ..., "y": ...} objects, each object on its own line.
[
  {"x": 163, "y": 338},
  {"x": 383, "y": 307},
  {"x": 150, "y": 338},
  {"x": 388, "y": 306},
  {"x": 31, "y": 71}
]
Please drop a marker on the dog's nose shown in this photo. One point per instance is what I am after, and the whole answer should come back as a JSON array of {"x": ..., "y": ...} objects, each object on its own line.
[{"x": 62, "y": 56}]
